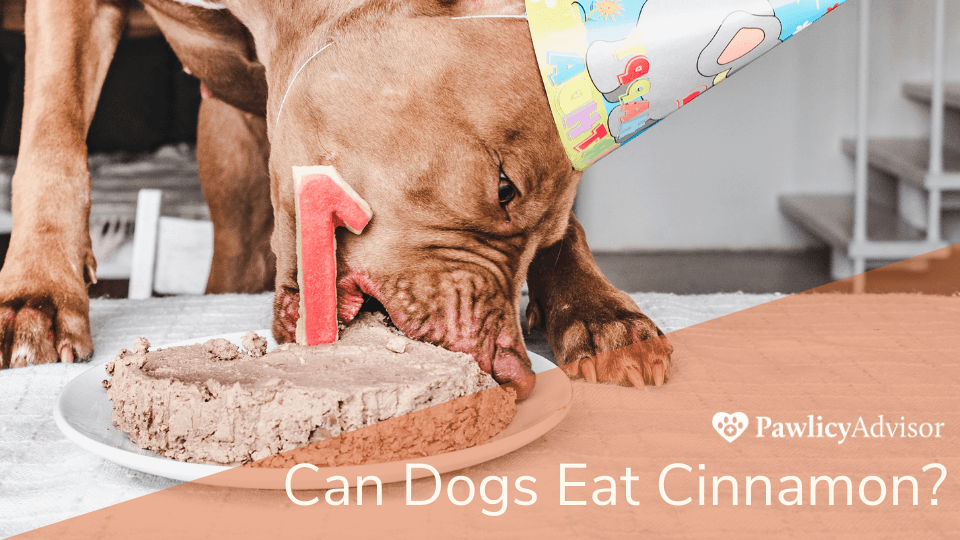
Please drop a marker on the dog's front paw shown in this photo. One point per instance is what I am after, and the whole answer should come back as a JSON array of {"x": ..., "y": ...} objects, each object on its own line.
[
  {"x": 44, "y": 315},
  {"x": 605, "y": 339}
]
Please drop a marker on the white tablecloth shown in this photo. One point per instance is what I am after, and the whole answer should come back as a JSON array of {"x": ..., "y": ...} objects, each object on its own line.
[{"x": 44, "y": 478}]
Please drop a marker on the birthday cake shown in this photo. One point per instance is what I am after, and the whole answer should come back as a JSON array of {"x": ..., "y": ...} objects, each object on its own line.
[{"x": 218, "y": 403}]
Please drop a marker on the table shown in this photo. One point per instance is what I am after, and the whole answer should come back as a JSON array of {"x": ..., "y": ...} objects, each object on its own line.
[{"x": 839, "y": 356}]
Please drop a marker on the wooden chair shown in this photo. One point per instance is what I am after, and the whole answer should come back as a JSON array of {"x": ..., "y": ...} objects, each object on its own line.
[{"x": 170, "y": 255}]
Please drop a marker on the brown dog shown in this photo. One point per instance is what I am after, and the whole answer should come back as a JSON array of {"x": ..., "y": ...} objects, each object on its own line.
[{"x": 436, "y": 117}]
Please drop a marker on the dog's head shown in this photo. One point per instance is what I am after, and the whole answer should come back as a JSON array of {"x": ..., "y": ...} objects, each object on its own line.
[{"x": 442, "y": 125}]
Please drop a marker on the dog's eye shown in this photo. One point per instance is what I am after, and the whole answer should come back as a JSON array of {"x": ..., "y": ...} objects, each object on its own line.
[{"x": 507, "y": 191}]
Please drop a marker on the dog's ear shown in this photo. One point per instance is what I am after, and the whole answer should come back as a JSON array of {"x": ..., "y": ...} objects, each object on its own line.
[{"x": 466, "y": 8}]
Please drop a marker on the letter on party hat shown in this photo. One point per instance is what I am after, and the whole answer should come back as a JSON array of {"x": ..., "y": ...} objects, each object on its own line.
[{"x": 614, "y": 68}]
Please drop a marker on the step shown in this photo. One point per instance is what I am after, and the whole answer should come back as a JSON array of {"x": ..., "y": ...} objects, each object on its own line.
[
  {"x": 830, "y": 218},
  {"x": 907, "y": 159},
  {"x": 923, "y": 93}
]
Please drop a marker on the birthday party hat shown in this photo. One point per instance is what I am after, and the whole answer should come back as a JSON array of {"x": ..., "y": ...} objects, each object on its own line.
[{"x": 614, "y": 68}]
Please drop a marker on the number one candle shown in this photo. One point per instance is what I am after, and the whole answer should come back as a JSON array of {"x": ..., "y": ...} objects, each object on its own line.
[{"x": 324, "y": 202}]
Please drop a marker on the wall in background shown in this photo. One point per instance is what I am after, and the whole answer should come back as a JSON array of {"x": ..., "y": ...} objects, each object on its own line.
[{"x": 710, "y": 175}]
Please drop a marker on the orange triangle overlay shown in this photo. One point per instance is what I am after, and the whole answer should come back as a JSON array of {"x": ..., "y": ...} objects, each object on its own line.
[{"x": 837, "y": 357}]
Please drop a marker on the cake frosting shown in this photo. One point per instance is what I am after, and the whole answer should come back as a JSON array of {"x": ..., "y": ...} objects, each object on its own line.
[{"x": 217, "y": 403}]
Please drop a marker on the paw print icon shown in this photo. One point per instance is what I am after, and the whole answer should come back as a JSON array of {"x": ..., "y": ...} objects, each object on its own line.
[{"x": 730, "y": 426}]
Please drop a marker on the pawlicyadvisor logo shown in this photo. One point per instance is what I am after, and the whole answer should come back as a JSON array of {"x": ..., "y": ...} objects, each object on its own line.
[{"x": 731, "y": 426}]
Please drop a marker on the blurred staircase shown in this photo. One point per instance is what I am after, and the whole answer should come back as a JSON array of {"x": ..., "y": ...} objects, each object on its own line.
[
  {"x": 923, "y": 92},
  {"x": 864, "y": 230}
]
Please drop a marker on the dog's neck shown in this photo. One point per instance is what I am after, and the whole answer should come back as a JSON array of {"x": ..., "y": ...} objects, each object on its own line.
[
  {"x": 202, "y": 4},
  {"x": 288, "y": 32},
  {"x": 278, "y": 25}
]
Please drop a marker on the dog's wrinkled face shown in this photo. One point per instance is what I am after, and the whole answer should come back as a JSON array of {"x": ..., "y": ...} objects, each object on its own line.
[{"x": 444, "y": 128}]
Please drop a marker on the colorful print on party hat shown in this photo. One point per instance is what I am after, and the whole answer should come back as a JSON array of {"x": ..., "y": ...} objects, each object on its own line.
[{"x": 614, "y": 68}]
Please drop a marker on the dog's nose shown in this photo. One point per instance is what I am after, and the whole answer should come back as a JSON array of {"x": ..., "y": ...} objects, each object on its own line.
[{"x": 512, "y": 369}]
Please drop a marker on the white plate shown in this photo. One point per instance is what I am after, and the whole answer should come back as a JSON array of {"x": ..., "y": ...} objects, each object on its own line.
[{"x": 82, "y": 412}]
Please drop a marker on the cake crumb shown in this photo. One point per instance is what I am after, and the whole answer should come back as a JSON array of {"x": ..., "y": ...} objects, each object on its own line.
[
  {"x": 302, "y": 361},
  {"x": 256, "y": 345},
  {"x": 397, "y": 345},
  {"x": 141, "y": 345},
  {"x": 221, "y": 350}
]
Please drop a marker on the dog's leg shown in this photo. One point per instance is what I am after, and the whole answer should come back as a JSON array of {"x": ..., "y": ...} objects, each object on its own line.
[
  {"x": 232, "y": 154},
  {"x": 596, "y": 331},
  {"x": 286, "y": 298},
  {"x": 44, "y": 308}
]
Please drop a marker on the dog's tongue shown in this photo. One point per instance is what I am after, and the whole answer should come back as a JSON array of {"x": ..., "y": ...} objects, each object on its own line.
[{"x": 510, "y": 369}]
